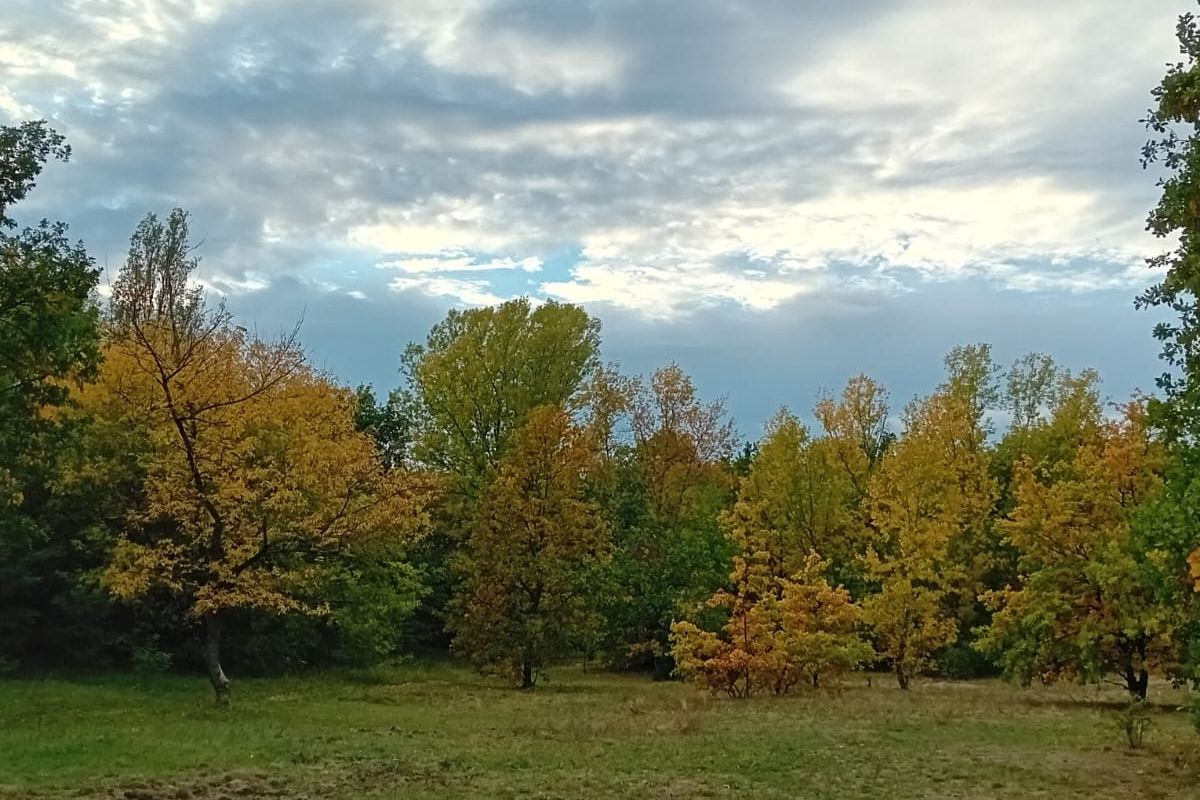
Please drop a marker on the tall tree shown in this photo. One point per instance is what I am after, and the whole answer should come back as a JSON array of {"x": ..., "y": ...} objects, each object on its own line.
[
  {"x": 1173, "y": 124},
  {"x": 48, "y": 342},
  {"x": 1174, "y": 145},
  {"x": 932, "y": 493},
  {"x": 528, "y": 570},
  {"x": 673, "y": 481},
  {"x": 256, "y": 465}
]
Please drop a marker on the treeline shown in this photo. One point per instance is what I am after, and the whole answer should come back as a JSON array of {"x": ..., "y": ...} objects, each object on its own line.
[{"x": 177, "y": 490}]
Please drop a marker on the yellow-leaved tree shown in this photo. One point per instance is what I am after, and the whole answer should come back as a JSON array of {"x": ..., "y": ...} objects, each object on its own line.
[
  {"x": 932, "y": 491},
  {"x": 255, "y": 467},
  {"x": 786, "y": 623},
  {"x": 529, "y": 569},
  {"x": 1087, "y": 601}
]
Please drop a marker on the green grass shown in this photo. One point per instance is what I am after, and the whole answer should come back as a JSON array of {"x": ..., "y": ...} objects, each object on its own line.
[{"x": 442, "y": 732}]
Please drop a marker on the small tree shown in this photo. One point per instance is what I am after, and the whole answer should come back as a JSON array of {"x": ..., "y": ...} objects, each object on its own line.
[
  {"x": 780, "y": 632},
  {"x": 527, "y": 570}
]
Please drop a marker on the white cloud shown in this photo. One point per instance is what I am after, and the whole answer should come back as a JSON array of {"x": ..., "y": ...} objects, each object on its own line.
[
  {"x": 929, "y": 141},
  {"x": 464, "y": 292},
  {"x": 455, "y": 261}
]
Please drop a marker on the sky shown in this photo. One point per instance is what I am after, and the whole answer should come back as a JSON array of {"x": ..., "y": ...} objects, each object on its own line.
[{"x": 775, "y": 194}]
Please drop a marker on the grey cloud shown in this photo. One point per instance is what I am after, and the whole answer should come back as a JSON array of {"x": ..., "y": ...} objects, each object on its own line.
[{"x": 312, "y": 118}]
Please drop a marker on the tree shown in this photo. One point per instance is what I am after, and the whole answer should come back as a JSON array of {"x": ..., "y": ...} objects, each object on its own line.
[
  {"x": 931, "y": 494},
  {"x": 780, "y": 631},
  {"x": 482, "y": 372},
  {"x": 680, "y": 439},
  {"x": 24, "y": 151},
  {"x": 49, "y": 340},
  {"x": 1085, "y": 604},
  {"x": 672, "y": 481},
  {"x": 527, "y": 572},
  {"x": 798, "y": 490},
  {"x": 256, "y": 466},
  {"x": 48, "y": 322},
  {"x": 391, "y": 424},
  {"x": 856, "y": 428},
  {"x": 1174, "y": 127}
]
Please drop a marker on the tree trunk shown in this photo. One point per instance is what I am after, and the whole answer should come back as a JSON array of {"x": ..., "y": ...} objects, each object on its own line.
[
  {"x": 816, "y": 680},
  {"x": 526, "y": 675},
  {"x": 902, "y": 678},
  {"x": 1137, "y": 682},
  {"x": 212, "y": 658}
]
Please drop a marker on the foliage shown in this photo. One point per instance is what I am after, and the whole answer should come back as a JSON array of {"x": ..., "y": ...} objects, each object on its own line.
[
  {"x": 48, "y": 343},
  {"x": 930, "y": 503},
  {"x": 780, "y": 632},
  {"x": 391, "y": 424},
  {"x": 1083, "y": 606},
  {"x": 670, "y": 484},
  {"x": 482, "y": 372},
  {"x": 528, "y": 567},
  {"x": 255, "y": 467},
  {"x": 1174, "y": 127}
]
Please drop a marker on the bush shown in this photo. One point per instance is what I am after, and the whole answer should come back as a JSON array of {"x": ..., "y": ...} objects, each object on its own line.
[
  {"x": 149, "y": 660},
  {"x": 1134, "y": 721}
]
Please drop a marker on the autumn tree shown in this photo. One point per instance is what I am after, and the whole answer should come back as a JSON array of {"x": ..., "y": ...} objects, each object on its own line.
[
  {"x": 931, "y": 494},
  {"x": 256, "y": 467},
  {"x": 802, "y": 492},
  {"x": 672, "y": 482},
  {"x": 785, "y": 623},
  {"x": 1082, "y": 606},
  {"x": 779, "y": 633},
  {"x": 527, "y": 572},
  {"x": 856, "y": 428}
]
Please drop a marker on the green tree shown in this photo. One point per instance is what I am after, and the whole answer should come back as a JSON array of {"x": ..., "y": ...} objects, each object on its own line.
[
  {"x": 482, "y": 372},
  {"x": 673, "y": 481},
  {"x": 392, "y": 424},
  {"x": 49, "y": 340}
]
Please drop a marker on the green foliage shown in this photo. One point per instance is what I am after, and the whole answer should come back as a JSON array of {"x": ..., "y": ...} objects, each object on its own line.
[
  {"x": 392, "y": 424},
  {"x": 482, "y": 372},
  {"x": 48, "y": 343},
  {"x": 1174, "y": 127}
]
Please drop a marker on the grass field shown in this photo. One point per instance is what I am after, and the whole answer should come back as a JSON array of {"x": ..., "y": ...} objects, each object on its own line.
[{"x": 442, "y": 732}]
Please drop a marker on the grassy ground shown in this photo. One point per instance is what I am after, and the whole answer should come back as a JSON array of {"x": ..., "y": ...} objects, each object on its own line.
[{"x": 441, "y": 732}]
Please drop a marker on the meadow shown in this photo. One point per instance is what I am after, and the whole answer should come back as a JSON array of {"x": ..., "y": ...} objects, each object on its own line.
[{"x": 441, "y": 731}]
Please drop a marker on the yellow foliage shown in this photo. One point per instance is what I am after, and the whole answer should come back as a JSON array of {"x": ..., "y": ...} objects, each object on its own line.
[
  {"x": 930, "y": 503},
  {"x": 255, "y": 467},
  {"x": 780, "y": 632},
  {"x": 528, "y": 566}
]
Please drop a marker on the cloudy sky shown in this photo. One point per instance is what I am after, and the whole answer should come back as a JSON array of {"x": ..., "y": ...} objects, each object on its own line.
[{"x": 777, "y": 194}]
